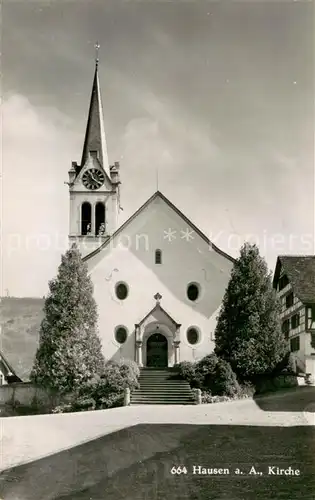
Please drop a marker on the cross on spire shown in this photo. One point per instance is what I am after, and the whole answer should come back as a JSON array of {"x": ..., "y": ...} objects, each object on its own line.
[
  {"x": 97, "y": 48},
  {"x": 157, "y": 297}
]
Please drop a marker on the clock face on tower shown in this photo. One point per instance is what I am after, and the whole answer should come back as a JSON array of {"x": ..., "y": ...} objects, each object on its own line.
[{"x": 93, "y": 178}]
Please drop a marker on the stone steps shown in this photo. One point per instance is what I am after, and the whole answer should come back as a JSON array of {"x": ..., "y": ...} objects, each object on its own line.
[{"x": 157, "y": 387}]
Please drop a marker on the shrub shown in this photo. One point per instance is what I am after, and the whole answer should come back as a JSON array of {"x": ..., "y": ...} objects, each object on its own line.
[
  {"x": 107, "y": 390},
  {"x": 246, "y": 390},
  {"x": 93, "y": 396},
  {"x": 224, "y": 381},
  {"x": 120, "y": 375},
  {"x": 207, "y": 365},
  {"x": 112, "y": 400},
  {"x": 216, "y": 375},
  {"x": 63, "y": 408},
  {"x": 205, "y": 370},
  {"x": 128, "y": 377},
  {"x": 83, "y": 404},
  {"x": 134, "y": 368},
  {"x": 186, "y": 370},
  {"x": 96, "y": 389},
  {"x": 207, "y": 398}
]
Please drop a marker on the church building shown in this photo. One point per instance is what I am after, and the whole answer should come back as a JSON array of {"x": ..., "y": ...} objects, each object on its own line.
[{"x": 158, "y": 280}]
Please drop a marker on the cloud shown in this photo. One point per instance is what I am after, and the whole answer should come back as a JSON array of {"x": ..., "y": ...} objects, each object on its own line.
[
  {"x": 232, "y": 195},
  {"x": 38, "y": 144},
  {"x": 166, "y": 137},
  {"x": 229, "y": 196}
]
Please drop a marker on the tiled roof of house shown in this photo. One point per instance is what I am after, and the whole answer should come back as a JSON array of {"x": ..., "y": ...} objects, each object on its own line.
[
  {"x": 8, "y": 367},
  {"x": 300, "y": 270}
]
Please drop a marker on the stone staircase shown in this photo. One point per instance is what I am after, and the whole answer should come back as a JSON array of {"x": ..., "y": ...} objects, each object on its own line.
[{"x": 157, "y": 387}]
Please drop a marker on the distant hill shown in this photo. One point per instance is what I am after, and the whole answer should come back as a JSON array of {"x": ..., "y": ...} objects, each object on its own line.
[{"x": 20, "y": 321}]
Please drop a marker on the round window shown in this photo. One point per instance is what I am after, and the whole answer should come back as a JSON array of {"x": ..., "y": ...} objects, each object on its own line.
[
  {"x": 121, "y": 291},
  {"x": 192, "y": 335},
  {"x": 193, "y": 292},
  {"x": 121, "y": 335}
]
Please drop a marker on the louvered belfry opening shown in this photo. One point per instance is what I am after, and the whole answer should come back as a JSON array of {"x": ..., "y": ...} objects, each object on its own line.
[
  {"x": 86, "y": 218},
  {"x": 99, "y": 219}
]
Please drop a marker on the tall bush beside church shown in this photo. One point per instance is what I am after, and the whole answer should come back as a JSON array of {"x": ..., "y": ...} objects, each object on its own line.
[
  {"x": 248, "y": 333},
  {"x": 69, "y": 351}
]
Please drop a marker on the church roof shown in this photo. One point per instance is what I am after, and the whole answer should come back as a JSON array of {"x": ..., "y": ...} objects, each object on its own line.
[
  {"x": 300, "y": 270},
  {"x": 95, "y": 131},
  {"x": 158, "y": 194}
]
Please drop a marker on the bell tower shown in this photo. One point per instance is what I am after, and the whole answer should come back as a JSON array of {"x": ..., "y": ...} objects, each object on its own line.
[{"x": 94, "y": 185}]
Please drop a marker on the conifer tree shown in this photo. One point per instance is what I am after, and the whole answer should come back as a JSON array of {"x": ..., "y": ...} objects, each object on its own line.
[
  {"x": 69, "y": 351},
  {"x": 248, "y": 332}
]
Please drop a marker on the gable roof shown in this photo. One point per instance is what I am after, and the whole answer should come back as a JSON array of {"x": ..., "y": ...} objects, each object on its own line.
[
  {"x": 158, "y": 307},
  {"x": 8, "y": 366},
  {"x": 156, "y": 195},
  {"x": 300, "y": 270}
]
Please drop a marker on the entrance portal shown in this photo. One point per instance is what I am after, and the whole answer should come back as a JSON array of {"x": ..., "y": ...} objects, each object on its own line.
[{"x": 157, "y": 351}]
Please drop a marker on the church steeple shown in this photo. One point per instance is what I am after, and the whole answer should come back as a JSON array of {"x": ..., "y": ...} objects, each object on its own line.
[
  {"x": 94, "y": 185},
  {"x": 95, "y": 132}
]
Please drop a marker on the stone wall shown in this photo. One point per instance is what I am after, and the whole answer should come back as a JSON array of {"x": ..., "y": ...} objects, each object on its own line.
[{"x": 26, "y": 394}]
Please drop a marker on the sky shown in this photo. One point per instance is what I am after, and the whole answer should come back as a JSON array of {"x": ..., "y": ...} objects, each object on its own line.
[{"x": 218, "y": 96}]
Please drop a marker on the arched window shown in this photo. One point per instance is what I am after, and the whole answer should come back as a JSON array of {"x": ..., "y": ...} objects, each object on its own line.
[
  {"x": 99, "y": 218},
  {"x": 158, "y": 256},
  {"x": 86, "y": 213}
]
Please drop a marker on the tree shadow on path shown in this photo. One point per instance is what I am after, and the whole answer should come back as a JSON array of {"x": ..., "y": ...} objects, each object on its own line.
[
  {"x": 136, "y": 463},
  {"x": 299, "y": 399}
]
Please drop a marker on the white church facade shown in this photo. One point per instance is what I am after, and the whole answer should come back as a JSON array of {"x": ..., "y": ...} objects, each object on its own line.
[{"x": 158, "y": 280}]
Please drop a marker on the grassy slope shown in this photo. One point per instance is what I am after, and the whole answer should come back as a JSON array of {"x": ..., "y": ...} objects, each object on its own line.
[{"x": 20, "y": 320}]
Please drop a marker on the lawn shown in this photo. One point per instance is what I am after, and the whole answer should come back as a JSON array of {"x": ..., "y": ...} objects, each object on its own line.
[{"x": 136, "y": 462}]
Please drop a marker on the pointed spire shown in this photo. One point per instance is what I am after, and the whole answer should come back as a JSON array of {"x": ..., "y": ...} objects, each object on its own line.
[{"x": 95, "y": 132}]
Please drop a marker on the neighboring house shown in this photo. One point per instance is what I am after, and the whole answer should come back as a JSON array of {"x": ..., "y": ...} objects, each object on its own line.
[
  {"x": 21, "y": 318},
  {"x": 158, "y": 280},
  {"x": 294, "y": 280},
  {"x": 7, "y": 373}
]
